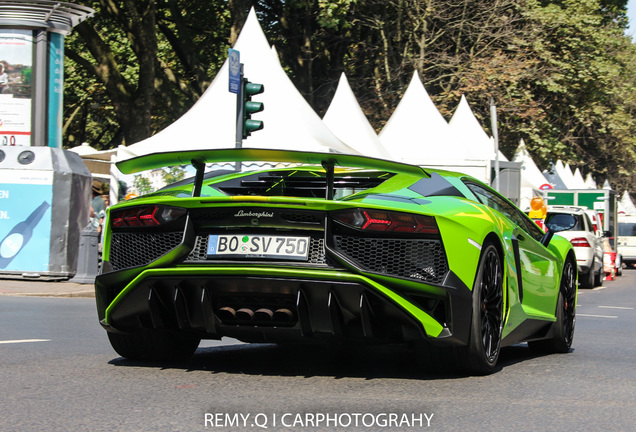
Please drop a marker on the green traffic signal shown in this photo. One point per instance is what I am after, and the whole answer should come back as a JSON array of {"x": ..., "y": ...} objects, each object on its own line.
[
  {"x": 252, "y": 89},
  {"x": 249, "y": 107}
]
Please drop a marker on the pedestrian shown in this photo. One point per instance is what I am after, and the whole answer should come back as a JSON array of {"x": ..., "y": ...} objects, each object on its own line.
[
  {"x": 98, "y": 206},
  {"x": 4, "y": 79}
]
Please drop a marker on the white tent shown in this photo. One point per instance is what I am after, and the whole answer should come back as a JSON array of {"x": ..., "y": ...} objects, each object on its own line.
[
  {"x": 626, "y": 204},
  {"x": 416, "y": 132},
  {"x": 347, "y": 121},
  {"x": 553, "y": 176},
  {"x": 567, "y": 175},
  {"x": 531, "y": 177},
  {"x": 589, "y": 182},
  {"x": 97, "y": 161},
  {"x": 289, "y": 121},
  {"x": 474, "y": 142},
  {"x": 578, "y": 180}
]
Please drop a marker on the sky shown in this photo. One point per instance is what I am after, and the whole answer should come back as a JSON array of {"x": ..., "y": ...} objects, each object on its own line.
[{"x": 631, "y": 14}]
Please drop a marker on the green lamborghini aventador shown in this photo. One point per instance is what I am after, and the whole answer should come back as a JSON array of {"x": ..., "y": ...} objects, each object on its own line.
[{"x": 300, "y": 247}]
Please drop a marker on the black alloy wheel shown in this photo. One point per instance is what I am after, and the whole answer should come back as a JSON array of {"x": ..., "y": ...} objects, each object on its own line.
[
  {"x": 563, "y": 330},
  {"x": 491, "y": 305},
  {"x": 568, "y": 291},
  {"x": 482, "y": 352}
]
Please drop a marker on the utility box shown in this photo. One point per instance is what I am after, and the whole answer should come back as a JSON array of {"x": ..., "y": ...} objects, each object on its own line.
[
  {"x": 45, "y": 197},
  {"x": 604, "y": 201}
]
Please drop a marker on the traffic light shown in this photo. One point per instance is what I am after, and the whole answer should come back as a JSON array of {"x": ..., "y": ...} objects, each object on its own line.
[{"x": 250, "y": 89}]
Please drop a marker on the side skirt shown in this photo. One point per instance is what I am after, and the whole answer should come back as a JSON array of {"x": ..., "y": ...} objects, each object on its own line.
[{"x": 530, "y": 329}]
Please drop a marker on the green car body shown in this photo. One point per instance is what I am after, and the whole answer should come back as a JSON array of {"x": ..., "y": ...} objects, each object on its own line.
[{"x": 340, "y": 249}]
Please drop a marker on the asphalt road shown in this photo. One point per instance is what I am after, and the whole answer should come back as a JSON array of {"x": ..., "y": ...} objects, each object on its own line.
[{"x": 58, "y": 373}]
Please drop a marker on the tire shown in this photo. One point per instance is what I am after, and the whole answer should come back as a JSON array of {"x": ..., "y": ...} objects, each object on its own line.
[
  {"x": 599, "y": 277},
  {"x": 154, "y": 345},
  {"x": 563, "y": 333},
  {"x": 482, "y": 352},
  {"x": 587, "y": 279}
]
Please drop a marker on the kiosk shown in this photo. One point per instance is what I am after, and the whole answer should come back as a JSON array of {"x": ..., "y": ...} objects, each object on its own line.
[{"x": 45, "y": 191}]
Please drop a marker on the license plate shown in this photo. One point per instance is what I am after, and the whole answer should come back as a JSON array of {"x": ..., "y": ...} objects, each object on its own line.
[{"x": 258, "y": 246}]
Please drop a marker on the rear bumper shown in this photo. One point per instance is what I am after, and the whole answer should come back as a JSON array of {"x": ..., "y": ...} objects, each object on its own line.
[{"x": 287, "y": 305}]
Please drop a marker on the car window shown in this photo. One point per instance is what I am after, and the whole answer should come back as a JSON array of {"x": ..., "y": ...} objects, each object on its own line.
[
  {"x": 497, "y": 202},
  {"x": 579, "y": 226},
  {"x": 588, "y": 223},
  {"x": 626, "y": 229}
]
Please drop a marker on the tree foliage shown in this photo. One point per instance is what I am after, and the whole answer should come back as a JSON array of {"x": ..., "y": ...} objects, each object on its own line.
[{"x": 560, "y": 71}]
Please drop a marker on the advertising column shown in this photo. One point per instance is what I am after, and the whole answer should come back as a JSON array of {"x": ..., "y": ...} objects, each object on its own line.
[{"x": 16, "y": 67}]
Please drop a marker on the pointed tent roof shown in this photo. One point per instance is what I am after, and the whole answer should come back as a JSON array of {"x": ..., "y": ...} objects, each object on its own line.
[
  {"x": 627, "y": 204},
  {"x": 347, "y": 121},
  {"x": 417, "y": 132},
  {"x": 589, "y": 182},
  {"x": 471, "y": 136},
  {"x": 289, "y": 121},
  {"x": 553, "y": 177},
  {"x": 568, "y": 177},
  {"x": 578, "y": 179},
  {"x": 531, "y": 176},
  {"x": 558, "y": 174}
]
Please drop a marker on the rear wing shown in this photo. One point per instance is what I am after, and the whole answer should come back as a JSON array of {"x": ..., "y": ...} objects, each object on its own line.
[{"x": 198, "y": 159}]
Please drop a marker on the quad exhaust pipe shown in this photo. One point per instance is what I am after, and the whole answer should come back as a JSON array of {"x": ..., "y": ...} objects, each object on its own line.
[{"x": 228, "y": 314}]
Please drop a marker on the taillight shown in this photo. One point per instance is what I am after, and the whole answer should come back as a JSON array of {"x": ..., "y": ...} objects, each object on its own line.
[
  {"x": 580, "y": 242},
  {"x": 145, "y": 216},
  {"x": 387, "y": 221}
]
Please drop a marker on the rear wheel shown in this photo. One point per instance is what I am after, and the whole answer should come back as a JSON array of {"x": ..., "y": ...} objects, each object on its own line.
[
  {"x": 154, "y": 345},
  {"x": 598, "y": 278},
  {"x": 482, "y": 352},
  {"x": 565, "y": 316},
  {"x": 587, "y": 279}
]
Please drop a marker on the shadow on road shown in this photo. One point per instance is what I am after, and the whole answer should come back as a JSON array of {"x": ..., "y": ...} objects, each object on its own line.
[{"x": 370, "y": 362}]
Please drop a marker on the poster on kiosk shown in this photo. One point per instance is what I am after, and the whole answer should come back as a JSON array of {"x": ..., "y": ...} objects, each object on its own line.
[
  {"x": 16, "y": 67},
  {"x": 25, "y": 220}
]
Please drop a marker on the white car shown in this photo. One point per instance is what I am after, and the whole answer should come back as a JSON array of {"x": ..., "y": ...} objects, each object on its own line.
[
  {"x": 588, "y": 245},
  {"x": 608, "y": 243},
  {"x": 627, "y": 238}
]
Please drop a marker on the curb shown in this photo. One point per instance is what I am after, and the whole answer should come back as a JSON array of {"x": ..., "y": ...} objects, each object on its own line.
[
  {"x": 78, "y": 294},
  {"x": 42, "y": 288}
]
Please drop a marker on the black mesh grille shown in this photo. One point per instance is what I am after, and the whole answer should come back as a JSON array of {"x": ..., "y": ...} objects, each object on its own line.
[
  {"x": 137, "y": 249},
  {"x": 213, "y": 215},
  {"x": 422, "y": 260},
  {"x": 316, "y": 250},
  {"x": 302, "y": 218}
]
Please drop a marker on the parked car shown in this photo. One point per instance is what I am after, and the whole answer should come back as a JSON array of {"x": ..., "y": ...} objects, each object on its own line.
[
  {"x": 588, "y": 245},
  {"x": 341, "y": 249},
  {"x": 627, "y": 239},
  {"x": 613, "y": 262}
]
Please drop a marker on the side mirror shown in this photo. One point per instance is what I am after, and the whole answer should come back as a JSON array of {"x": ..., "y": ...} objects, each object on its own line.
[
  {"x": 557, "y": 223},
  {"x": 607, "y": 234}
]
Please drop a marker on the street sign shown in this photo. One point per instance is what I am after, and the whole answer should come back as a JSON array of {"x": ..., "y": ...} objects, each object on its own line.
[{"x": 234, "y": 59}]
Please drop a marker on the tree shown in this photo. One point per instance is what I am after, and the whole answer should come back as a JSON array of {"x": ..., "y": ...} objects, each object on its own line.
[
  {"x": 173, "y": 175},
  {"x": 560, "y": 71},
  {"x": 143, "y": 63},
  {"x": 132, "y": 101},
  {"x": 142, "y": 184},
  {"x": 586, "y": 87}
]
